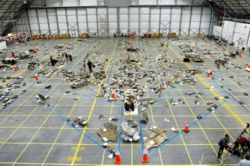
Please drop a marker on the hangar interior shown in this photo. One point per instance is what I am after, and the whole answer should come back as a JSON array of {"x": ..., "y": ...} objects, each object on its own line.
[{"x": 124, "y": 82}]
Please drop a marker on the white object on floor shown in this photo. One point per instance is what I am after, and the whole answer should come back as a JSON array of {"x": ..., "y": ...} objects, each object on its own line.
[{"x": 135, "y": 112}]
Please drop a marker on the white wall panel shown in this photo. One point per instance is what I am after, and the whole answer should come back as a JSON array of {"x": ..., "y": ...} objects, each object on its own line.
[
  {"x": 70, "y": 3},
  {"x": 107, "y": 19}
]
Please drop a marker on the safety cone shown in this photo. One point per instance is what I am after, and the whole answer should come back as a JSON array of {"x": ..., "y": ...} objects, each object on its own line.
[
  {"x": 145, "y": 158},
  {"x": 14, "y": 68},
  {"x": 113, "y": 95},
  {"x": 118, "y": 159},
  {"x": 36, "y": 77},
  {"x": 209, "y": 74},
  {"x": 186, "y": 128}
]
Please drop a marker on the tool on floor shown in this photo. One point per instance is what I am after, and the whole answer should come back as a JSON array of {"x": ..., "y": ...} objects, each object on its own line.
[
  {"x": 118, "y": 159},
  {"x": 145, "y": 158},
  {"x": 186, "y": 128}
]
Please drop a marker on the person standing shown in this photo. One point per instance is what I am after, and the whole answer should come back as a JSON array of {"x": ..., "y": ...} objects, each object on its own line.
[
  {"x": 90, "y": 66},
  {"x": 223, "y": 143}
]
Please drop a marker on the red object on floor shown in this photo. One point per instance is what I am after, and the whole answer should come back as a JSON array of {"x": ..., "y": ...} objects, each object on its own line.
[
  {"x": 209, "y": 74},
  {"x": 14, "y": 68},
  {"x": 113, "y": 95},
  {"x": 36, "y": 77},
  {"x": 186, "y": 128},
  {"x": 145, "y": 158},
  {"x": 118, "y": 159},
  {"x": 248, "y": 66}
]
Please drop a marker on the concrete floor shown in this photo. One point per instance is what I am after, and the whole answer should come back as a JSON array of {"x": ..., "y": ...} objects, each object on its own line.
[{"x": 31, "y": 135}]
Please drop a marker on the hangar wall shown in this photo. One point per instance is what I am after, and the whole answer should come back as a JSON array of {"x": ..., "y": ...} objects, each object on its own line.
[
  {"x": 236, "y": 32},
  {"x": 81, "y": 16}
]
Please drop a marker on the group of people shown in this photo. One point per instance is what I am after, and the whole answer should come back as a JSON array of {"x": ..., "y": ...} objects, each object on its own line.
[{"x": 241, "y": 148}]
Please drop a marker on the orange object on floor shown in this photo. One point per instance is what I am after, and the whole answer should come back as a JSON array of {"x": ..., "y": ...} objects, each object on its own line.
[
  {"x": 36, "y": 77},
  {"x": 186, "y": 128},
  {"x": 118, "y": 159},
  {"x": 145, "y": 158},
  {"x": 113, "y": 95}
]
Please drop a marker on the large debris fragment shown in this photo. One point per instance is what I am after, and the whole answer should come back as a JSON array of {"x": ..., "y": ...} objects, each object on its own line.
[
  {"x": 109, "y": 132},
  {"x": 130, "y": 131},
  {"x": 156, "y": 138}
]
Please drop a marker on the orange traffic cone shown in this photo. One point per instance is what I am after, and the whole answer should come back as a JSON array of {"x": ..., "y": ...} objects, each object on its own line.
[
  {"x": 186, "y": 128},
  {"x": 209, "y": 74},
  {"x": 145, "y": 158},
  {"x": 113, "y": 95},
  {"x": 14, "y": 68},
  {"x": 118, "y": 159},
  {"x": 36, "y": 77}
]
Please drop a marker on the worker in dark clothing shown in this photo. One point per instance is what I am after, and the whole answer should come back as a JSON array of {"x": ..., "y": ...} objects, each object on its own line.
[
  {"x": 70, "y": 57},
  {"x": 52, "y": 61},
  {"x": 84, "y": 66},
  {"x": 223, "y": 143},
  {"x": 129, "y": 103},
  {"x": 90, "y": 66}
]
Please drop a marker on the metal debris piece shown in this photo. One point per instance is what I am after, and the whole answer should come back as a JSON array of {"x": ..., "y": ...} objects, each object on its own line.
[
  {"x": 156, "y": 138},
  {"x": 210, "y": 102},
  {"x": 48, "y": 87},
  {"x": 144, "y": 118},
  {"x": 113, "y": 119},
  {"x": 241, "y": 102},
  {"x": 81, "y": 122},
  {"x": 101, "y": 117},
  {"x": 212, "y": 108},
  {"x": 110, "y": 132},
  {"x": 130, "y": 131},
  {"x": 199, "y": 117},
  {"x": 246, "y": 94}
]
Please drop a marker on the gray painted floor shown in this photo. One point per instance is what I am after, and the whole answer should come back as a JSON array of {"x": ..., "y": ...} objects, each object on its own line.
[{"x": 31, "y": 135}]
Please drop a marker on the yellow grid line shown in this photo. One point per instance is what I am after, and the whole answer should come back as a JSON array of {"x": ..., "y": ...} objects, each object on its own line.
[
  {"x": 61, "y": 129},
  {"x": 27, "y": 145},
  {"x": 151, "y": 110},
  {"x": 214, "y": 93},
  {"x": 93, "y": 106}
]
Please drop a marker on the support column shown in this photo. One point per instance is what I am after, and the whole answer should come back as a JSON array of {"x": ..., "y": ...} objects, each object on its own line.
[
  {"x": 128, "y": 19},
  {"x": 210, "y": 23},
  {"x": 108, "y": 20},
  {"x": 87, "y": 20},
  {"x": 149, "y": 20},
  {"x": 77, "y": 21},
  {"x": 248, "y": 38},
  {"x": 139, "y": 30},
  {"x": 38, "y": 22},
  {"x": 180, "y": 27},
  {"x": 58, "y": 29},
  {"x": 190, "y": 20},
  {"x": 28, "y": 19},
  {"x": 97, "y": 22},
  {"x": 48, "y": 21},
  {"x": 118, "y": 19},
  {"x": 170, "y": 23},
  {"x": 200, "y": 19},
  {"x": 67, "y": 20},
  {"x": 234, "y": 29},
  {"x": 159, "y": 30}
]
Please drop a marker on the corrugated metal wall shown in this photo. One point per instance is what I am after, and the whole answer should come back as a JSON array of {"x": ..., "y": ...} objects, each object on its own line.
[{"x": 105, "y": 21}]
